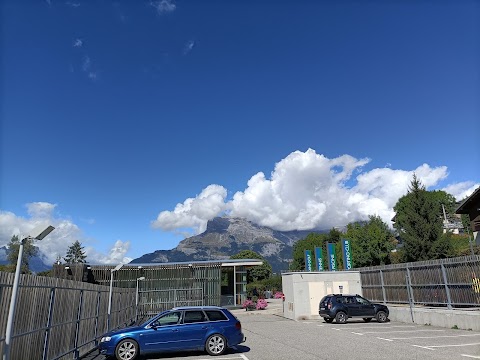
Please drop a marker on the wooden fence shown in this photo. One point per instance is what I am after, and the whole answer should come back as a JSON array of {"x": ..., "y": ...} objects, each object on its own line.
[
  {"x": 58, "y": 318},
  {"x": 453, "y": 282}
]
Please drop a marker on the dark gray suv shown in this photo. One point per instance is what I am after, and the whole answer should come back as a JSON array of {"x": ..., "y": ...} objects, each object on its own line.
[{"x": 340, "y": 307}]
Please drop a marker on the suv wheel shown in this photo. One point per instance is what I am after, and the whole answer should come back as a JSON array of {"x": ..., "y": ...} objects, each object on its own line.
[
  {"x": 367, "y": 319},
  {"x": 328, "y": 320},
  {"x": 341, "y": 318},
  {"x": 381, "y": 316}
]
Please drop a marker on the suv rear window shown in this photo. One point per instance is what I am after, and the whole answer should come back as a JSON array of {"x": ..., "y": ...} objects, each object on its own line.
[{"x": 215, "y": 315}]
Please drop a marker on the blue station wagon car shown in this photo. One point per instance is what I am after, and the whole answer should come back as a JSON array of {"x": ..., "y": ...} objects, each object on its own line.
[{"x": 210, "y": 328}]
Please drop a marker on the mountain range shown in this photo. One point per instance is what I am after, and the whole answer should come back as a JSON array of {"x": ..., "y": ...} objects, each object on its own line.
[
  {"x": 222, "y": 238},
  {"x": 225, "y": 237}
]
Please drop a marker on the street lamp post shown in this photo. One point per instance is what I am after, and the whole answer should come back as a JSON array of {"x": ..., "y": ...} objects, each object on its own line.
[
  {"x": 36, "y": 234},
  {"x": 136, "y": 297},
  {"x": 109, "y": 312},
  {"x": 470, "y": 242}
]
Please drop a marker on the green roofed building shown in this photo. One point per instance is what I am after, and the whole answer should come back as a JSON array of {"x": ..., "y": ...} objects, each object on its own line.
[{"x": 161, "y": 286}]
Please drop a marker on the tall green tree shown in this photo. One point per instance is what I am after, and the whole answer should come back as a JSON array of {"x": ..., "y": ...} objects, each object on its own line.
[
  {"x": 29, "y": 250},
  {"x": 256, "y": 273},
  {"x": 418, "y": 221},
  {"x": 75, "y": 253},
  {"x": 371, "y": 241}
]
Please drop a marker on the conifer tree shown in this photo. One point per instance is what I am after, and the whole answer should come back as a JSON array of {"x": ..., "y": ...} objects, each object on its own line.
[
  {"x": 418, "y": 221},
  {"x": 75, "y": 254},
  {"x": 29, "y": 250}
]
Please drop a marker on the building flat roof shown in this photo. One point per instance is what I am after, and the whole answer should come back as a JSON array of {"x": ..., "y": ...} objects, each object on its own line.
[{"x": 223, "y": 263}]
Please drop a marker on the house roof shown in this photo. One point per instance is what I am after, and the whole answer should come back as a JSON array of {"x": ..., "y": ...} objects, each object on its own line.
[{"x": 472, "y": 200}]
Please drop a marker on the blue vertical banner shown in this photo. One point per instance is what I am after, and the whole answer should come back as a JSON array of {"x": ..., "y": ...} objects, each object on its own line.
[
  {"x": 308, "y": 260},
  {"x": 347, "y": 254},
  {"x": 319, "y": 258},
  {"x": 332, "y": 261}
]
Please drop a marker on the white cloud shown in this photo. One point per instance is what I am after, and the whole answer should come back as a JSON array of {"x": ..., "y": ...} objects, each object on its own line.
[
  {"x": 40, "y": 209},
  {"x": 461, "y": 190},
  {"x": 163, "y": 6},
  {"x": 306, "y": 191},
  {"x": 194, "y": 212},
  {"x": 86, "y": 63},
  {"x": 72, "y": 4},
  {"x": 188, "y": 47},
  {"x": 78, "y": 43},
  {"x": 58, "y": 241},
  {"x": 115, "y": 256},
  {"x": 89, "y": 69}
]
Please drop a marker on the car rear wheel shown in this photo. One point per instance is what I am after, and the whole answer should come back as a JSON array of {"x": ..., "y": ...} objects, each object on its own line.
[
  {"x": 126, "y": 350},
  {"x": 216, "y": 345},
  {"x": 328, "y": 320},
  {"x": 341, "y": 318},
  {"x": 381, "y": 316},
  {"x": 367, "y": 319}
]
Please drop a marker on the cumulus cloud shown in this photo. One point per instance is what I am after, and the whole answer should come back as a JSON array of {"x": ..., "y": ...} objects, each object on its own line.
[
  {"x": 115, "y": 256},
  {"x": 194, "y": 212},
  {"x": 307, "y": 191},
  {"x": 58, "y": 241},
  {"x": 163, "y": 6},
  {"x": 461, "y": 190}
]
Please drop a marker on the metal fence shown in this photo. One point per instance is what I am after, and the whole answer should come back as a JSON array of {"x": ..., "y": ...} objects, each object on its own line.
[
  {"x": 451, "y": 283},
  {"x": 152, "y": 302},
  {"x": 60, "y": 319}
]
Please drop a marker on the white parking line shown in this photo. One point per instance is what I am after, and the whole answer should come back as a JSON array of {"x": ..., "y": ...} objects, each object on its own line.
[
  {"x": 384, "y": 339},
  {"x": 397, "y": 331},
  {"x": 432, "y": 337},
  {"x": 471, "y": 356},
  {"x": 424, "y": 347},
  {"x": 229, "y": 358},
  {"x": 337, "y": 329},
  {"x": 384, "y": 326},
  {"x": 443, "y": 346},
  {"x": 356, "y": 333}
]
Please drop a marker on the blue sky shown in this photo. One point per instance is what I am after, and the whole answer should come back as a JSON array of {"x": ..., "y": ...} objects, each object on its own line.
[{"x": 130, "y": 124}]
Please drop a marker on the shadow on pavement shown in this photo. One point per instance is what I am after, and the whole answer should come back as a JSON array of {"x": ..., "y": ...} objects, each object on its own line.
[{"x": 171, "y": 355}]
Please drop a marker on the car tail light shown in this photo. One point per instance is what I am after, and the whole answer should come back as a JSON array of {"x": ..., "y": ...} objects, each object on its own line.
[
  {"x": 238, "y": 325},
  {"x": 329, "y": 305}
]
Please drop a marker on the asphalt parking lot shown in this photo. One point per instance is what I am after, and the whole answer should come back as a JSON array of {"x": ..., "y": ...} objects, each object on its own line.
[{"x": 272, "y": 337}]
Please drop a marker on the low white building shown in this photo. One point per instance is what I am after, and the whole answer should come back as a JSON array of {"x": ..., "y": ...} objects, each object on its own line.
[{"x": 304, "y": 290}]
